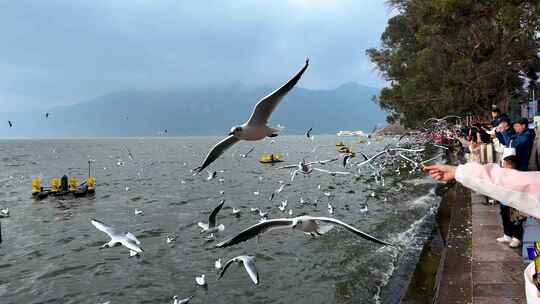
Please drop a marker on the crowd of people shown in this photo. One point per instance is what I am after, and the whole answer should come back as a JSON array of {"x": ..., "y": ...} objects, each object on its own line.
[
  {"x": 515, "y": 142},
  {"x": 513, "y": 179}
]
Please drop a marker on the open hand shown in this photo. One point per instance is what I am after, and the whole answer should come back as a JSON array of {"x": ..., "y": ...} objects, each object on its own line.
[{"x": 441, "y": 172}]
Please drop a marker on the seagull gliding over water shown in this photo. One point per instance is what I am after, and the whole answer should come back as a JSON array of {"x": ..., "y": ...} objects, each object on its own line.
[
  {"x": 255, "y": 128},
  {"x": 307, "y": 224},
  {"x": 249, "y": 265},
  {"x": 126, "y": 239},
  {"x": 211, "y": 226}
]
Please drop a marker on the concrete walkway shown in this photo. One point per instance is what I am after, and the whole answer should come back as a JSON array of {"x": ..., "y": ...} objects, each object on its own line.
[
  {"x": 497, "y": 270},
  {"x": 455, "y": 285}
]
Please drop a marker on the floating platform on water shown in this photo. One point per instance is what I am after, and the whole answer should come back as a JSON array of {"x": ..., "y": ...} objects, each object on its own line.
[
  {"x": 63, "y": 187},
  {"x": 345, "y": 150},
  {"x": 271, "y": 158}
]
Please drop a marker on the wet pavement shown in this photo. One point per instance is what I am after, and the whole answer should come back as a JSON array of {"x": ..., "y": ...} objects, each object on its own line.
[
  {"x": 456, "y": 278},
  {"x": 497, "y": 269}
]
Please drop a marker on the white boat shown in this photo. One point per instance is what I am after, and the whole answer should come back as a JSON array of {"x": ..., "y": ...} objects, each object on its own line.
[{"x": 351, "y": 133}]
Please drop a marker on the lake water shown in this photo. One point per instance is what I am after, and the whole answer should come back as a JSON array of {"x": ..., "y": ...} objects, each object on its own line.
[{"x": 50, "y": 251}]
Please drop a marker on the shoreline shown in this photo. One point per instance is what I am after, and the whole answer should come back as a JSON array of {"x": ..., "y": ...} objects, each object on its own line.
[
  {"x": 461, "y": 262},
  {"x": 443, "y": 271}
]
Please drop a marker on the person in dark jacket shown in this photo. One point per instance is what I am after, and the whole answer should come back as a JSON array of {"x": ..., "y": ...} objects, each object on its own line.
[
  {"x": 496, "y": 116},
  {"x": 504, "y": 131},
  {"x": 522, "y": 141}
]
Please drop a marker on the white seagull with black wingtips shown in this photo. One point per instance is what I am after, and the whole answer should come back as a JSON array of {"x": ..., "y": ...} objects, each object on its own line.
[
  {"x": 126, "y": 239},
  {"x": 255, "y": 128},
  {"x": 307, "y": 224},
  {"x": 211, "y": 226},
  {"x": 249, "y": 265}
]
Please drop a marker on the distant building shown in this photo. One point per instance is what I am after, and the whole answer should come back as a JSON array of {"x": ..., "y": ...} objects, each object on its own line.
[{"x": 529, "y": 109}]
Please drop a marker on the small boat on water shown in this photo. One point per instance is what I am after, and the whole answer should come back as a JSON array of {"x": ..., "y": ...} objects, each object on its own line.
[
  {"x": 271, "y": 158},
  {"x": 345, "y": 150}
]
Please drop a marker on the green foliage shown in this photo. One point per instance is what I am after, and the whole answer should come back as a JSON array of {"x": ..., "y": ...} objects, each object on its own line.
[{"x": 457, "y": 56}]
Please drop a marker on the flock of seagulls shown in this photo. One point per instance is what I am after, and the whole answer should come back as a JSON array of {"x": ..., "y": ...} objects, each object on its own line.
[{"x": 256, "y": 128}]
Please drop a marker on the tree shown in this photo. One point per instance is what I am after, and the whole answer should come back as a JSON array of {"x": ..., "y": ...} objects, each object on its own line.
[{"x": 446, "y": 57}]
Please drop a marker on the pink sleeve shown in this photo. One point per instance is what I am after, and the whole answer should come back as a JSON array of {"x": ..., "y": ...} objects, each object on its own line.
[{"x": 517, "y": 189}]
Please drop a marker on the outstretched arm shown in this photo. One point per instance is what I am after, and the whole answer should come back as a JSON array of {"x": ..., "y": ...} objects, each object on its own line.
[{"x": 519, "y": 189}]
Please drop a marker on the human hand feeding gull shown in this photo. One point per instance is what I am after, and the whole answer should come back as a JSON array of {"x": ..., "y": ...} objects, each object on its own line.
[
  {"x": 307, "y": 224},
  {"x": 126, "y": 239},
  {"x": 249, "y": 265},
  {"x": 256, "y": 127}
]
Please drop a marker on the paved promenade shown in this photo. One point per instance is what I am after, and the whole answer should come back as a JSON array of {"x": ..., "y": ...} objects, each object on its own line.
[
  {"x": 477, "y": 269},
  {"x": 497, "y": 270}
]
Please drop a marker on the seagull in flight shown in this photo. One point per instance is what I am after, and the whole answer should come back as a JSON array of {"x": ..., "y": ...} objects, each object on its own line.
[
  {"x": 308, "y": 133},
  {"x": 390, "y": 152},
  {"x": 256, "y": 127},
  {"x": 320, "y": 162},
  {"x": 306, "y": 168},
  {"x": 303, "y": 167},
  {"x": 126, "y": 239},
  {"x": 129, "y": 153},
  {"x": 333, "y": 173},
  {"x": 247, "y": 153},
  {"x": 438, "y": 120},
  {"x": 249, "y": 265},
  {"x": 307, "y": 224},
  {"x": 211, "y": 226},
  {"x": 211, "y": 175},
  {"x": 277, "y": 191}
]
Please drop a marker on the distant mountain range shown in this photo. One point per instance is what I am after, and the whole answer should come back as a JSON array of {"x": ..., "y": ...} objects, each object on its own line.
[{"x": 199, "y": 112}]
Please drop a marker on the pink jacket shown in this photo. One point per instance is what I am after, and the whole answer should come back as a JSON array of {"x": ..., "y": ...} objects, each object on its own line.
[{"x": 517, "y": 189}]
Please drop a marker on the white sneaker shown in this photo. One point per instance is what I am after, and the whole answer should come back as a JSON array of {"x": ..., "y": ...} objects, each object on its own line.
[
  {"x": 504, "y": 239},
  {"x": 514, "y": 243}
]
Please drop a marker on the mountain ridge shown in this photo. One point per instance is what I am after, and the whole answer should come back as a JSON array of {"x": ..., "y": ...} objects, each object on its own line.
[{"x": 199, "y": 111}]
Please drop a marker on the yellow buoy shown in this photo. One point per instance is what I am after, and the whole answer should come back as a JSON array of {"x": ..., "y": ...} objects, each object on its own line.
[
  {"x": 36, "y": 186},
  {"x": 73, "y": 184},
  {"x": 271, "y": 158},
  {"x": 55, "y": 185},
  {"x": 91, "y": 182}
]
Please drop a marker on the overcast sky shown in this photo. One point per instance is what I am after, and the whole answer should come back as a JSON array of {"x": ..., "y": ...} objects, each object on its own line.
[{"x": 57, "y": 52}]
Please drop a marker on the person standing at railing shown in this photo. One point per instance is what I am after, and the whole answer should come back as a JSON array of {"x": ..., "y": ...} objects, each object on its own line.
[
  {"x": 504, "y": 131},
  {"x": 522, "y": 141}
]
